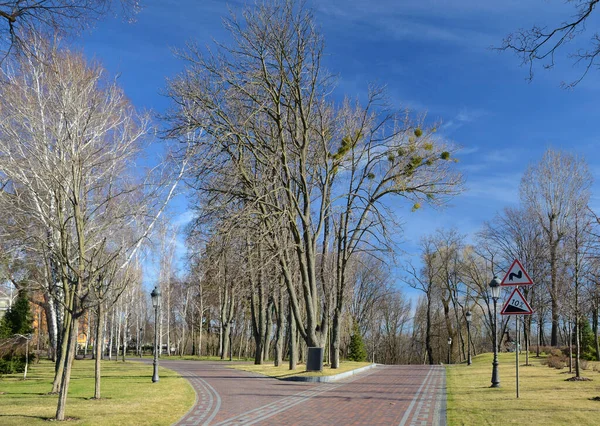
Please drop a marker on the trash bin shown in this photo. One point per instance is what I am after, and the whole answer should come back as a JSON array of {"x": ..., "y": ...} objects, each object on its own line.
[{"x": 314, "y": 361}]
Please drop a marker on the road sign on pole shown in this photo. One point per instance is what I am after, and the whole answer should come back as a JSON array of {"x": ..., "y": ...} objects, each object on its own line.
[
  {"x": 516, "y": 275},
  {"x": 516, "y": 305}
]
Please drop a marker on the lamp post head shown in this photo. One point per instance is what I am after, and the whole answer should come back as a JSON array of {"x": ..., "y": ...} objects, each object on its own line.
[
  {"x": 155, "y": 297},
  {"x": 449, "y": 340},
  {"x": 468, "y": 316},
  {"x": 495, "y": 288}
]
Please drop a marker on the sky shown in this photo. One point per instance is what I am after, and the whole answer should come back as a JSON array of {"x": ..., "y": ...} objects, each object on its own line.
[{"x": 434, "y": 56}]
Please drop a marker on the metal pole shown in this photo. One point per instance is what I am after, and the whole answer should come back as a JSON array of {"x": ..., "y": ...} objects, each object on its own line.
[
  {"x": 448, "y": 354},
  {"x": 26, "y": 357},
  {"x": 517, "y": 347},
  {"x": 155, "y": 363},
  {"x": 495, "y": 376},
  {"x": 468, "y": 343}
]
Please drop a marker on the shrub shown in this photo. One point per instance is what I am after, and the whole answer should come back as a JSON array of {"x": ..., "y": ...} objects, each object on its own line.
[
  {"x": 556, "y": 359},
  {"x": 557, "y": 362},
  {"x": 12, "y": 364}
]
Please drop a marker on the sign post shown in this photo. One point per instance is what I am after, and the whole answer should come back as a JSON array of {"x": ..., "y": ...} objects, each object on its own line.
[{"x": 516, "y": 304}]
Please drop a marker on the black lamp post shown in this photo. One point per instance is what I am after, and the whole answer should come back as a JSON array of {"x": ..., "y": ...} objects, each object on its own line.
[
  {"x": 449, "y": 346},
  {"x": 156, "y": 304},
  {"x": 495, "y": 290},
  {"x": 468, "y": 317},
  {"x": 140, "y": 341}
]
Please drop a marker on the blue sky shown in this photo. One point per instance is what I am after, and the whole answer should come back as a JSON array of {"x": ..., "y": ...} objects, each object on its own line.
[{"x": 433, "y": 55}]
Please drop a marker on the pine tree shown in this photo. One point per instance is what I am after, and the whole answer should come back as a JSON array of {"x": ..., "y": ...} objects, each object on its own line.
[
  {"x": 18, "y": 319},
  {"x": 586, "y": 340},
  {"x": 357, "y": 351}
]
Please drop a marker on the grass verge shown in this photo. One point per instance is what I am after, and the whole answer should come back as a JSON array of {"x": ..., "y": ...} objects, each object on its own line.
[
  {"x": 545, "y": 397},
  {"x": 283, "y": 371},
  {"x": 128, "y": 395}
]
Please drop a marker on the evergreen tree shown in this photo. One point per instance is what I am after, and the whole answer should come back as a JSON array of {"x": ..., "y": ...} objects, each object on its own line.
[
  {"x": 586, "y": 340},
  {"x": 18, "y": 318},
  {"x": 357, "y": 351}
]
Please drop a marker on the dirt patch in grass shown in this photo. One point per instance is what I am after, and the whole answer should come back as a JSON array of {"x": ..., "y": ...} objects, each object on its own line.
[{"x": 578, "y": 379}]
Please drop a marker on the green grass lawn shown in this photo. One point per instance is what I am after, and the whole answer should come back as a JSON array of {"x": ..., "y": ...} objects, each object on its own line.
[
  {"x": 545, "y": 397},
  {"x": 283, "y": 371},
  {"x": 128, "y": 395}
]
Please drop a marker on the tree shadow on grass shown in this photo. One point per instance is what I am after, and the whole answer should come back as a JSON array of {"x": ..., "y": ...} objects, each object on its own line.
[
  {"x": 29, "y": 394},
  {"x": 27, "y": 417}
]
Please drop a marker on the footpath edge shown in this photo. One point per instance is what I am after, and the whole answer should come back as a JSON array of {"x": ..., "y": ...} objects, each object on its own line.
[{"x": 326, "y": 379}]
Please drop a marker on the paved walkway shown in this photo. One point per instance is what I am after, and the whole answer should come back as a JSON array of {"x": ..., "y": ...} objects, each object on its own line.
[{"x": 385, "y": 395}]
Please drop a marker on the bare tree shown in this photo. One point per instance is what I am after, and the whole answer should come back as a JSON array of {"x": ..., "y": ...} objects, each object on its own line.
[
  {"x": 427, "y": 280},
  {"x": 552, "y": 190},
  {"x": 68, "y": 136},
  {"x": 517, "y": 234},
  {"x": 542, "y": 44},
  {"x": 279, "y": 147},
  {"x": 579, "y": 248},
  {"x": 21, "y": 19}
]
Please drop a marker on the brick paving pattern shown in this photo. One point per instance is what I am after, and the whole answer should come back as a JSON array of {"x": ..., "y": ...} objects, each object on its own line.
[{"x": 385, "y": 395}]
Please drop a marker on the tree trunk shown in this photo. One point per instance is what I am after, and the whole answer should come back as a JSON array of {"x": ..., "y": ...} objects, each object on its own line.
[
  {"x": 52, "y": 328},
  {"x": 87, "y": 334},
  {"x": 66, "y": 375},
  {"x": 335, "y": 338},
  {"x": 99, "y": 338},
  {"x": 62, "y": 355},
  {"x": 268, "y": 326},
  {"x": 553, "y": 283},
  {"x": 570, "y": 347},
  {"x": 293, "y": 346},
  {"x": 125, "y": 329},
  {"x": 577, "y": 349},
  {"x": 428, "y": 348},
  {"x": 118, "y": 337},
  {"x": 595, "y": 328},
  {"x": 112, "y": 333},
  {"x": 279, "y": 307}
]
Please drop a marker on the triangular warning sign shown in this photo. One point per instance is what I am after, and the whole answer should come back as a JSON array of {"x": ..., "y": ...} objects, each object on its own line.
[
  {"x": 516, "y": 275},
  {"x": 516, "y": 305}
]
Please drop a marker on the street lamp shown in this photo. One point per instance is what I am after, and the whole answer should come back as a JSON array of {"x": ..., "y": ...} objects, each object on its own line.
[
  {"x": 449, "y": 346},
  {"x": 140, "y": 342},
  {"x": 468, "y": 317},
  {"x": 155, "y": 304},
  {"x": 495, "y": 290}
]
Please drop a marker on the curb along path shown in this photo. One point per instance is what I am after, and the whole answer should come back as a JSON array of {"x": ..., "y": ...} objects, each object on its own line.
[{"x": 386, "y": 395}]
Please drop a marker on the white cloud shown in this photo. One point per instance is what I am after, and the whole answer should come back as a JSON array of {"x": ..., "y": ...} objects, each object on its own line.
[{"x": 183, "y": 219}]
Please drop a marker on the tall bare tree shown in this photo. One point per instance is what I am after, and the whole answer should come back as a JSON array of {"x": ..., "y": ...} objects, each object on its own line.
[
  {"x": 553, "y": 190},
  {"x": 68, "y": 136},
  {"x": 279, "y": 147}
]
